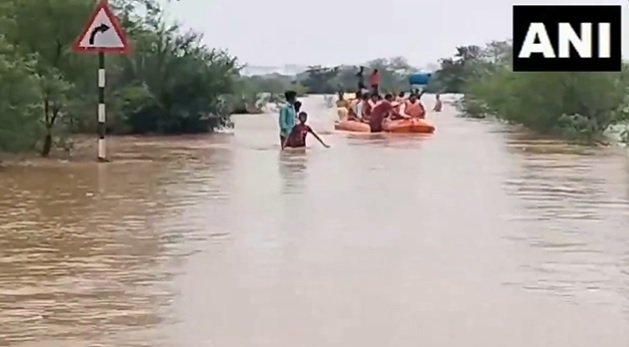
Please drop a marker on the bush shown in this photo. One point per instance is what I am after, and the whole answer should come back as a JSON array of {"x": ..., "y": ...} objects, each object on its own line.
[
  {"x": 580, "y": 106},
  {"x": 20, "y": 113}
]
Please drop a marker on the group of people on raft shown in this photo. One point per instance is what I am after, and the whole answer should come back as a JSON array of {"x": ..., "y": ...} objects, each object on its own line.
[
  {"x": 375, "y": 110},
  {"x": 368, "y": 106}
]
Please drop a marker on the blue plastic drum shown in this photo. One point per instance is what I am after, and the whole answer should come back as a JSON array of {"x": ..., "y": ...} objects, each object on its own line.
[{"x": 419, "y": 78}]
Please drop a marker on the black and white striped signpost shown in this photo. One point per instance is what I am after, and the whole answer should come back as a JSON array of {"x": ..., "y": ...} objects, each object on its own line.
[{"x": 102, "y": 34}]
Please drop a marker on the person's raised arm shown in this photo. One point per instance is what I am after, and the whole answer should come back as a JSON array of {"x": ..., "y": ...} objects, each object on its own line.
[{"x": 318, "y": 138}]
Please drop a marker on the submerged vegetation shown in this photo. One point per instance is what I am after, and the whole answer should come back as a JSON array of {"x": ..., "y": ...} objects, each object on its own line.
[
  {"x": 173, "y": 84},
  {"x": 170, "y": 84}
]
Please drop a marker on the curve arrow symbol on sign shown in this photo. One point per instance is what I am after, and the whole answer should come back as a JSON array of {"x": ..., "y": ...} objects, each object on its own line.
[
  {"x": 99, "y": 29},
  {"x": 103, "y": 21}
]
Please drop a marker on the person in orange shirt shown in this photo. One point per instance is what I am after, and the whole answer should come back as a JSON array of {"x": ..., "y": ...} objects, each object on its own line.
[
  {"x": 374, "y": 81},
  {"x": 413, "y": 108}
]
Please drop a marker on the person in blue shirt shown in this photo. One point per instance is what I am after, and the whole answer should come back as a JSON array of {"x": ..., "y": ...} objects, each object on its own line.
[{"x": 287, "y": 116}]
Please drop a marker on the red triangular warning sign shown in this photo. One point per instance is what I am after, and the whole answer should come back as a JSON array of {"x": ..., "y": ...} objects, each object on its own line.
[{"x": 102, "y": 33}]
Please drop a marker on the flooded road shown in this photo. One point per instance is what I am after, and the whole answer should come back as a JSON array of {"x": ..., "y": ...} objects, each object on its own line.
[{"x": 476, "y": 236}]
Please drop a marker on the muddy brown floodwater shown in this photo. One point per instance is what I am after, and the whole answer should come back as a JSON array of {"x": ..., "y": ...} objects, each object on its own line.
[{"x": 477, "y": 236}]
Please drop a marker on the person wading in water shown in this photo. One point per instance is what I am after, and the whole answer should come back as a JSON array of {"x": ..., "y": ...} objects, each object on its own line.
[
  {"x": 438, "y": 104},
  {"x": 287, "y": 116},
  {"x": 297, "y": 136}
]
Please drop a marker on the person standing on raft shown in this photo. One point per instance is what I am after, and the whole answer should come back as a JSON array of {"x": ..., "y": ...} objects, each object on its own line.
[
  {"x": 361, "y": 78},
  {"x": 287, "y": 116},
  {"x": 374, "y": 81},
  {"x": 297, "y": 136},
  {"x": 413, "y": 108}
]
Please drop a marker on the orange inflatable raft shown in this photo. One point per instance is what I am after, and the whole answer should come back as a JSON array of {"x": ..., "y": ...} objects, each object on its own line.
[
  {"x": 353, "y": 126},
  {"x": 420, "y": 126}
]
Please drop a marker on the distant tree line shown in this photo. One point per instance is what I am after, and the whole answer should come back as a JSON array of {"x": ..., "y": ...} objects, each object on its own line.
[
  {"x": 330, "y": 79},
  {"x": 580, "y": 106}
]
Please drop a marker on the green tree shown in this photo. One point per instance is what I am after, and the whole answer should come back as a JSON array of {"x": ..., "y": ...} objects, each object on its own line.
[
  {"x": 19, "y": 90},
  {"x": 320, "y": 80},
  {"x": 175, "y": 85},
  {"x": 46, "y": 29},
  {"x": 455, "y": 71}
]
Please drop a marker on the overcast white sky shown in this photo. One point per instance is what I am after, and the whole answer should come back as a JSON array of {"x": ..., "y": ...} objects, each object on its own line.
[{"x": 322, "y": 32}]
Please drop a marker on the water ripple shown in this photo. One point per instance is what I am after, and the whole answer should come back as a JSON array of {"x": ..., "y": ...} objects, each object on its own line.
[{"x": 480, "y": 235}]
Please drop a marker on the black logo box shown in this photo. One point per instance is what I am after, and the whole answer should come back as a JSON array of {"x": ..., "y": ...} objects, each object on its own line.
[{"x": 551, "y": 16}]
